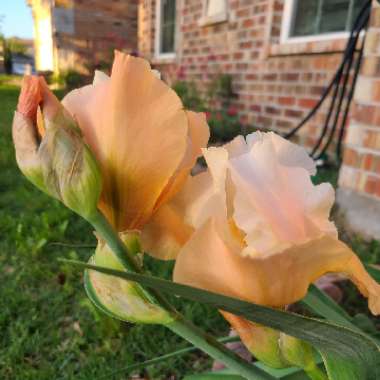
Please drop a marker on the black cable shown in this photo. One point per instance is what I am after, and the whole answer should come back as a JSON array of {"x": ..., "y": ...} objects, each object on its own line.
[
  {"x": 330, "y": 137},
  {"x": 339, "y": 106},
  {"x": 316, "y": 107},
  {"x": 349, "y": 100},
  {"x": 346, "y": 74},
  {"x": 329, "y": 114}
]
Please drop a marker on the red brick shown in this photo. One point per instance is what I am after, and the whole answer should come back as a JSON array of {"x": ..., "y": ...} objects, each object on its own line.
[
  {"x": 255, "y": 108},
  {"x": 371, "y": 184},
  {"x": 248, "y": 23},
  {"x": 272, "y": 110},
  {"x": 293, "y": 113},
  {"x": 307, "y": 103},
  {"x": 286, "y": 100},
  {"x": 290, "y": 77},
  {"x": 351, "y": 157},
  {"x": 367, "y": 161},
  {"x": 365, "y": 114}
]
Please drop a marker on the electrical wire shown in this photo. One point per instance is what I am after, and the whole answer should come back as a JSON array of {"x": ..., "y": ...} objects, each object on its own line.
[{"x": 338, "y": 87}]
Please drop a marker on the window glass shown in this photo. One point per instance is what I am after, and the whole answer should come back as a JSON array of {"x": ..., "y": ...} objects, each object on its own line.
[
  {"x": 313, "y": 17},
  {"x": 304, "y": 17},
  {"x": 167, "y": 26},
  {"x": 334, "y": 15}
]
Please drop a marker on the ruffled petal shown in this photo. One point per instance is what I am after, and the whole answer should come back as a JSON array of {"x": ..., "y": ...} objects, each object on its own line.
[
  {"x": 138, "y": 130},
  {"x": 287, "y": 153},
  {"x": 198, "y": 136},
  {"x": 86, "y": 107},
  {"x": 174, "y": 222},
  {"x": 204, "y": 195},
  {"x": 100, "y": 77},
  {"x": 236, "y": 147},
  {"x": 277, "y": 205},
  {"x": 210, "y": 262},
  {"x": 165, "y": 233}
]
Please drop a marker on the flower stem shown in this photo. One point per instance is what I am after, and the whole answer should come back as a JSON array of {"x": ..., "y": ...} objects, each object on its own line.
[
  {"x": 216, "y": 350},
  {"x": 179, "y": 325},
  {"x": 105, "y": 230},
  {"x": 127, "y": 258}
]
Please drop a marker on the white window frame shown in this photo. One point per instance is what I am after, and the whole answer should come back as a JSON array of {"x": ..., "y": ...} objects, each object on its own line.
[
  {"x": 287, "y": 19},
  {"x": 157, "y": 40},
  {"x": 209, "y": 20}
]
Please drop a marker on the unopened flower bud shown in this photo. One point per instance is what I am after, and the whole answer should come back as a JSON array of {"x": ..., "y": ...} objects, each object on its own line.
[
  {"x": 261, "y": 341},
  {"x": 297, "y": 352},
  {"x": 50, "y": 150},
  {"x": 273, "y": 348},
  {"x": 125, "y": 300}
]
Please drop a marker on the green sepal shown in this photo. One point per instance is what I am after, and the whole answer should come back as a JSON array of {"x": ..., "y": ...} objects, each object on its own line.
[{"x": 124, "y": 300}]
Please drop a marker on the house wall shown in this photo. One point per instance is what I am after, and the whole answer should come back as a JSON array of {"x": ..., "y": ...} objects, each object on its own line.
[
  {"x": 359, "y": 180},
  {"x": 276, "y": 83},
  {"x": 43, "y": 34},
  {"x": 84, "y": 33}
]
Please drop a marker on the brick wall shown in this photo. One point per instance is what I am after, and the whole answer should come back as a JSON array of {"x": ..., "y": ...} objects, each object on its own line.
[
  {"x": 43, "y": 34},
  {"x": 361, "y": 165},
  {"x": 276, "y": 84},
  {"x": 85, "y": 32},
  {"x": 146, "y": 27}
]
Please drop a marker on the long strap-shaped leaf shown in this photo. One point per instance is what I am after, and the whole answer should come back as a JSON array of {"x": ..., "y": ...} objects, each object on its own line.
[
  {"x": 323, "y": 305},
  {"x": 347, "y": 354},
  {"x": 373, "y": 271}
]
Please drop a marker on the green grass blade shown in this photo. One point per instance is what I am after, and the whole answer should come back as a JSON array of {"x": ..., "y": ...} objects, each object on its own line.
[
  {"x": 226, "y": 374},
  {"x": 319, "y": 302},
  {"x": 220, "y": 375},
  {"x": 373, "y": 271},
  {"x": 162, "y": 358},
  {"x": 347, "y": 353}
]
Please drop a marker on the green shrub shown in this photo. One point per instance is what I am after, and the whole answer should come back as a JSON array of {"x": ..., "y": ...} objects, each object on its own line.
[
  {"x": 222, "y": 117},
  {"x": 221, "y": 91},
  {"x": 70, "y": 79},
  {"x": 224, "y": 125},
  {"x": 190, "y": 96}
]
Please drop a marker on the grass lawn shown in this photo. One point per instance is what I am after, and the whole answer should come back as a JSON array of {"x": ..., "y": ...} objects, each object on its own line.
[{"x": 48, "y": 327}]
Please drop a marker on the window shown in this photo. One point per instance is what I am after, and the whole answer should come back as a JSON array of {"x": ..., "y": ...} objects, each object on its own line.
[
  {"x": 166, "y": 28},
  {"x": 322, "y": 18},
  {"x": 214, "y": 11}
]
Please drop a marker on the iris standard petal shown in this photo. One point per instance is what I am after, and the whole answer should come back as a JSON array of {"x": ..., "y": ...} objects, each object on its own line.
[{"x": 138, "y": 130}]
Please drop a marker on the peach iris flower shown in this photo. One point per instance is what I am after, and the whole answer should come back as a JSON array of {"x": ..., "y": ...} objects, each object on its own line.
[
  {"x": 262, "y": 229},
  {"x": 144, "y": 140}
]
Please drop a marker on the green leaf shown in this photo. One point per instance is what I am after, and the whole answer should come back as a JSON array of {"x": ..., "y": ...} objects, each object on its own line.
[
  {"x": 319, "y": 302},
  {"x": 323, "y": 305},
  {"x": 348, "y": 354},
  {"x": 162, "y": 358},
  {"x": 373, "y": 271}
]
